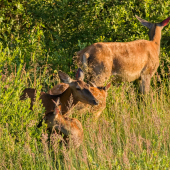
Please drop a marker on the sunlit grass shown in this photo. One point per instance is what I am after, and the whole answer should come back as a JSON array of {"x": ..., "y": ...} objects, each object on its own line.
[{"x": 132, "y": 132}]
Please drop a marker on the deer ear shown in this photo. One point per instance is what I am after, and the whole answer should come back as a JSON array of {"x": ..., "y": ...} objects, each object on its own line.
[
  {"x": 107, "y": 86},
  {"x": 57, "y": 108},
  {"x": 144, "y": 22},
  {"x": 165, "y": 22},
  {"x": 80, "y": 74},
  {"x": 64, "y": 77},
  {"x": 57, "y": 102}
]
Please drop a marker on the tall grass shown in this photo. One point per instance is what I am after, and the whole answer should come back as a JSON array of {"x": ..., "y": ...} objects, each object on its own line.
[
  {"x": 40, "y": 36},
  {"x": 132, "y": 132}
]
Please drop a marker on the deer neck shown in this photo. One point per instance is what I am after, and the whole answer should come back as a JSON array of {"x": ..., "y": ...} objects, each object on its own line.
[
  {"x": 60, "y": 119},
  {"x": 67, "y": 100},
  {"x": 157, "y": 38},
  {"x": 62, "y": 124}
]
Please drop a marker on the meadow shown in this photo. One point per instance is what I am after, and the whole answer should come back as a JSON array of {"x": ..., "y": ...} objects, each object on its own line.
[{"x": 37, "y": 38}]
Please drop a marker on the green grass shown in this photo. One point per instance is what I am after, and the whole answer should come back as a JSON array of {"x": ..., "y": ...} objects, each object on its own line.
[
  {"x": 132, "y": 132},
  {"x": 37, "y": 39}
]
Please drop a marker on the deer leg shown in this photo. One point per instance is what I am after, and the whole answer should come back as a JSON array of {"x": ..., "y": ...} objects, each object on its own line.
[
  {"x": 145, "y": 84},
  {"x": 146, "y": 76}
]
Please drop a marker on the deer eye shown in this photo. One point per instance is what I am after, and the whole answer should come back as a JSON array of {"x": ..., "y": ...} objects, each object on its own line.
[{"x": 78, "y": 87}]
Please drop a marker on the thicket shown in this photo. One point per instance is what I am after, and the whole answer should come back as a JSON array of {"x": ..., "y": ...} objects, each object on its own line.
[
  {"x": 37, "y": 38},
  {"x": 52, "y": 31}
]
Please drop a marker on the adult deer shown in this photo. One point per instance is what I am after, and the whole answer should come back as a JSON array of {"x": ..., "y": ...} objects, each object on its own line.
[
  {"x": 100, "y": 93},
  {"x": 77, "y": 90},
  {"x": 71, "y": 128},
  {"x": 127, "y": 61}
]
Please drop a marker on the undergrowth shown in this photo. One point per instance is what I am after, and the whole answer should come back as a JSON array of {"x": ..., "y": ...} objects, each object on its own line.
[
  {"x": 37, "y": 38},
  {"x": 132, "y": 132}
]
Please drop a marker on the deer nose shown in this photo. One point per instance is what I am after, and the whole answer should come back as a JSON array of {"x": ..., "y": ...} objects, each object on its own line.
[{"x": 95, "y": 102}]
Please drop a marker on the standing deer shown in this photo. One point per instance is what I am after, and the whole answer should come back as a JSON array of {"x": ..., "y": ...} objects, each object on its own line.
[
  {"x": 127, "y": 61},
  {"x": 71, "y": 128},
  {"x": 75, "y": 91}
]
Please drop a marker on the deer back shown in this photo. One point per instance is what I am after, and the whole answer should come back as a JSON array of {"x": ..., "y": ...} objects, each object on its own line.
[{"x": 125, "y": 61}]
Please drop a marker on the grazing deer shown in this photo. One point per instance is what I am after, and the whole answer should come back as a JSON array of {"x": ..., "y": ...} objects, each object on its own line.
[
  {"x": 77, "y": 90},
  {"x": 100, "y": 93},
  {"x": 127, "y": 61},
  {"x": 71, "y": 128}
]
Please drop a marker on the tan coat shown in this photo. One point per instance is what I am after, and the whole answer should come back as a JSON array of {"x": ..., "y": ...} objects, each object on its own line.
[{"x": 125, "y": 61}]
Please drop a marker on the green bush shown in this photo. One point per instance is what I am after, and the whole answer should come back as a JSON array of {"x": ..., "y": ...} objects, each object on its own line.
[
  {"x": 50, "y": 31},
  {"x": 37, "y": 38}
]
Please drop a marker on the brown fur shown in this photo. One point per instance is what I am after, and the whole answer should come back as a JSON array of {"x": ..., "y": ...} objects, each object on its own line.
[
  {"x": 99, "y": 93},
  {"x": 127, "y": 61},
  {"x": 45, "y": 97},
  {"x": 59, "y": 88},
  {"x": 76, "y": 91},
  {"x": 71, "y": 128}
]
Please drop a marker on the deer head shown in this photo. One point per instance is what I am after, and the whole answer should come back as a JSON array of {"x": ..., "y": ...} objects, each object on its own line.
[
  {"x": 80, "y": 89},
  {"x": 152, "y": 26},
  {"x": 50, "y": 118}
]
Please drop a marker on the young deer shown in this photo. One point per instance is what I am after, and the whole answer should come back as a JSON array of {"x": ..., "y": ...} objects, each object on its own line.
[
  {"x": 127, "y": 61},
  {"x": 77, "y": 90},
  {"x": 71, "y": 128},
  {"x": 100, "y": 93}
]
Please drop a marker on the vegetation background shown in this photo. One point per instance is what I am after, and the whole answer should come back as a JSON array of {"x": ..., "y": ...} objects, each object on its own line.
[{"x": 37, "y": 38}]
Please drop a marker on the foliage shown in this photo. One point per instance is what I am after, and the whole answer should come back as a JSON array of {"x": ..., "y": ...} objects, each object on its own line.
[
  {"x": 49, "y": 31},
  {"x": 37, "y": 38}
]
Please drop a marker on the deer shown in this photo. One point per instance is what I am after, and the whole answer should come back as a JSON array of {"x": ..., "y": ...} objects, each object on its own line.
[
  {"x": 124, "y": 61},
  {"x": 100, "y": 93},
  {"x": 70, "y": 128},
  {"x": 45, "y": 97},
  {"x": 77, "y": 90}
]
